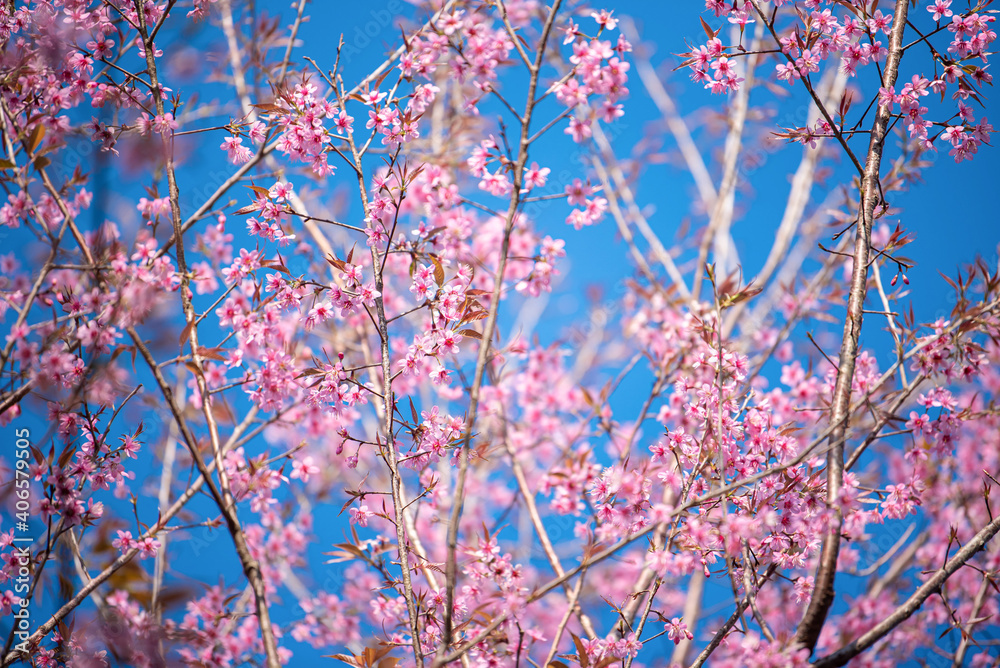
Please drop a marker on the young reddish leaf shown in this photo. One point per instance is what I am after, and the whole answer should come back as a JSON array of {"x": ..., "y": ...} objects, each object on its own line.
[
  {"x": 474, "y": 315},
  {"x": 221, "y": 412},
  {"x": 581, "y": 651},
  {"x": 708, "y": 30},
  {"x": 271, "y": 107},
  {"x": 66, "y": 454},
  {"x": 211, "y": 353},
  {"x": 186, "y": 333},
  {"x": 277, "y": 266},
  {"x": 339, "y": 264},
  {"x": 249, "y": 208},
  {"x": 438, "y": 270},
  {"x": 36, "y": 137}
]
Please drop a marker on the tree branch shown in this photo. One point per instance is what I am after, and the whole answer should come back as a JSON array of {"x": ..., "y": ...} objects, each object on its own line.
[
  {"x": 823, "y": 593},
  {"x": 912, "y": 604},
  {"x": 489, "y": 327}
]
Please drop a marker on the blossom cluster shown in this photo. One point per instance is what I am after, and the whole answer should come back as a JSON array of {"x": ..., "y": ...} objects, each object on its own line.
[{"x": 858, "y": 36}]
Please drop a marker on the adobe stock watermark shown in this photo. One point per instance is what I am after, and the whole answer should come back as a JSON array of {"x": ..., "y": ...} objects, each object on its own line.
[
  {"x": 22, "y": 540},
  {"x": 365, "y": 33}
]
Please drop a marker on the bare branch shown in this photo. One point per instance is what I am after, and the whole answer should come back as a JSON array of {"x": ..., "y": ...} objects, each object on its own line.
[{"x": 912, "y": 604}]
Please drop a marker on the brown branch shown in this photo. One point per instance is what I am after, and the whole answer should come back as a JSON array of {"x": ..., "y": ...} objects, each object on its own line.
[
  {"x": 571, "y": 604},
  {"x": 977, "y": 604},
  {"x": 812, "y": 91},
  {"x": 823, "y": 593},
  {"x": 291, "y": 42},
  {"x": 388, "y": 449},
  {"x": 489, "y": 327},
  {"x": 720, "y": 635},
  {"x": 223, "y": 498},
  {"x": 832, "y": 84},
  {"x": 15, "y": 396},
  {"x": 269, "y": 148},
  {"x": 645, "y": 616},
  {"x": 912, "y": 604}
]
